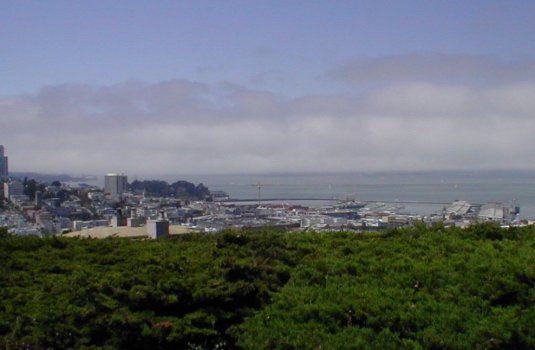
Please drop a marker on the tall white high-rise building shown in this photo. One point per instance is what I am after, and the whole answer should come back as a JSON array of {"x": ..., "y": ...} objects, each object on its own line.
[
  {"x": 115, "y": 184},
  {"x": 3, "y": 164}
]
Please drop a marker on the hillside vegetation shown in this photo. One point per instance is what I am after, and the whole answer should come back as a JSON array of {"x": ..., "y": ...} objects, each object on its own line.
[
  {"x": 414, "y": 288},
  {"x": 178, "y": 189}
]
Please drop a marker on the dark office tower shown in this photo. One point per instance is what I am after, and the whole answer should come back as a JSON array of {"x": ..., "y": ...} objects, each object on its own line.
[{"x": 3, "y": 164}]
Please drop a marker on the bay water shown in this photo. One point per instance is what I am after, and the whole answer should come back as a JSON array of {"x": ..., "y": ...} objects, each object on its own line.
[
  {"x": 510, "y": 187},
  {"x": 505, "y": 186}
]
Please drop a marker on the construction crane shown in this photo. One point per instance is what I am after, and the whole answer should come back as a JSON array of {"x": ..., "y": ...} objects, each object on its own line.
[{"x": 259, "y": 187}]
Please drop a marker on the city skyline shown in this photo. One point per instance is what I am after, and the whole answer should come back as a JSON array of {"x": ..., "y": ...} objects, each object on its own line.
[{"x": 205, "y": 87}]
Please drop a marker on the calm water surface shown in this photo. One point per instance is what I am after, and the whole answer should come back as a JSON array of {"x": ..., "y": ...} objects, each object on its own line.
[{"x": 507, "y": 187}]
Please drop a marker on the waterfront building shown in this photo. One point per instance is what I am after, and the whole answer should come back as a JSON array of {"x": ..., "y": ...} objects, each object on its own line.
[
  {"x": 457, "y": 209},
  {"x": 493, "y": 212},
  {"x": 4, "y": 173},
  {"x": 115, "y": 185}
]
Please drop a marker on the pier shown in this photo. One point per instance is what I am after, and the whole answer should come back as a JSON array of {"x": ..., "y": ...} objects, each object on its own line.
[{"x": 232, "y": 200}]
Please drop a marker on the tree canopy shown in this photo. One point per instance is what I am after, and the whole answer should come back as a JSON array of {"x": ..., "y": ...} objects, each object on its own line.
[
  {"x": 414, "y": 288},
  {"x": 180, "y": 189}
]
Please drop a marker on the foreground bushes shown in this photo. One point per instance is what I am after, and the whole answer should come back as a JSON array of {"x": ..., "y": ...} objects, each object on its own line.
[
  {"x": 413, "y": 288},
  {"x": 408, "y": 288},
  {"x": 117, "y": 293}
]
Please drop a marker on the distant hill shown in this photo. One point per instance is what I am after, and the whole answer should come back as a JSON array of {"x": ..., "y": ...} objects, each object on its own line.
[{"x": 52, "y": 177}]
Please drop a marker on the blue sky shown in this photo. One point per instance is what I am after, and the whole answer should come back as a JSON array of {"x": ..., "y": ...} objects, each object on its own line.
[
  {"x": 316, "y": 67},
  {"x": 287, "y": 46}
]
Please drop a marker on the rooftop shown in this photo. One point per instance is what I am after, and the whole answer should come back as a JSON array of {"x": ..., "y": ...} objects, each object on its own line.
[{"x": 124, "y": 231}]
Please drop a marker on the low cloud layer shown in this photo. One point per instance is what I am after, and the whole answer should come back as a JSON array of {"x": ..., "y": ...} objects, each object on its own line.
[
  {"x": 415, "y": 121},
  {"x": 444, "y": 68}
]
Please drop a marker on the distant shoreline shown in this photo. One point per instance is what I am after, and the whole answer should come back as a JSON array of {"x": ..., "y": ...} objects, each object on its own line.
[{"x": 53, "y": 177}]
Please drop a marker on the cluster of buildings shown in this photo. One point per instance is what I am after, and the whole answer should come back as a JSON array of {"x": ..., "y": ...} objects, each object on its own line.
[
  {"x": 348, "y": 215},
  {"x": 42, "y": 209},
  {"x": 462, "y": 214},
  {"x": 50, "y": 209},
  {"x": 85, "y": 210}
]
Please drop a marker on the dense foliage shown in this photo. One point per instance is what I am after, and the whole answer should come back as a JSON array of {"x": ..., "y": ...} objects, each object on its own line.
[
  {"x": 414, "y": 288},
  {"x": 180, "y": 189},
  {"x": 409, "y": 288}
]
